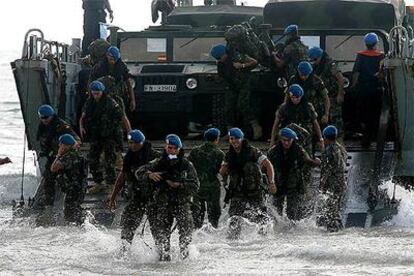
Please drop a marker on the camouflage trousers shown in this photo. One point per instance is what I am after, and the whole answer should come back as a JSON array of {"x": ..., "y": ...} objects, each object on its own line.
[
  {"x": 252, "y": 208},
  {"x": 211, "y": 198},
  {"x": 238, "y": 106},
  {"x": 165, "y": 212},
  {"x": 108, "y": 148},
  {"x": 331, "y": 210},
  {"x": 73, "y": 211},
  {"x": 293, "y": 200},
  {"x": 49, "y": 184},
  {"x": 132, "y": 217},
  {"x": 336, "y": 116}
]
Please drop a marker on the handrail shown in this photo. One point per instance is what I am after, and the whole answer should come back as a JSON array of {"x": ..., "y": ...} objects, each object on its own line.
[{"x": 401, "y": 46}]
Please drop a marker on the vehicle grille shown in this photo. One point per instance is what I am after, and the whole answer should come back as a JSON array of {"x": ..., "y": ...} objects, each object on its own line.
[{"x": 164, "y": 68}]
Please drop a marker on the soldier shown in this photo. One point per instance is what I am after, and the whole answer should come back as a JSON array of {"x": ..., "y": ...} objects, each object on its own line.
[
  {"x": 298, "y": 111},
  {"x": 288, "y": 158},
  {"x": 314, "y": 89},
  {"x": 121, "y": 89},
  {"x": 234, "y": 67},
  {"x": 207, "y": 160},
  {"x": 93, "y": 15},
  {"x": 327, "y": 69},
  {"x": 140, "y": 153},
  {"x": 366, "y": 79},
  {"x": 294, "y": 51},
  {"x": 100, "y": 123},
  {"x": 175, "y": 182},
  {"x": 333, "y": 182},
  {"x": 51, "y": 127},
  {"x": 243, "y": 164},
  {"x": 71, "y": 171}
]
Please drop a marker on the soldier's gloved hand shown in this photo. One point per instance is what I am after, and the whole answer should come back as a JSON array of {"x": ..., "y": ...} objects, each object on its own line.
[
  {"x": 155, "y": 176},
  {"x": 173, "y": 184},
  {"x": 272, "y": 188}
]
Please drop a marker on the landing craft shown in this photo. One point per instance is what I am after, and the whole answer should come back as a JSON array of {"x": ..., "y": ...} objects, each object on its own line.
[{"x": 171, "y": 64}]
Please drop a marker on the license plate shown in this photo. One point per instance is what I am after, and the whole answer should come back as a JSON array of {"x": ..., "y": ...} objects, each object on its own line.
[{"x": 160, "y": 88}]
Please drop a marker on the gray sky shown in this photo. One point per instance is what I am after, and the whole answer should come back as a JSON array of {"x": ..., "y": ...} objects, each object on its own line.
[{"x": 62, "y": 20}]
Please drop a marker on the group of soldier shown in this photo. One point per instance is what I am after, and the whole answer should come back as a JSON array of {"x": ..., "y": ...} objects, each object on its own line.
[{"x": 171, "y": 185}]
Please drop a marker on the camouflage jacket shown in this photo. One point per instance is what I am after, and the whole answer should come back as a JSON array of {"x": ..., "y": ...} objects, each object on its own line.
[
  {"x": 48, "y": 136},
  {"x": 103, "y": 119},
  {"x": 333, "y": 168},
  {"x": 302, "y": 114},
  {"x": 207, "y": 160},
  {"x": 327, "y": 71},
  {"x": 179, "y": 170},
  {"x": 288, "y": 166},
  {"x": 73, "y": 175},
  {"x": 314, "y": 89},
  {"x": 294, "y": 51}
]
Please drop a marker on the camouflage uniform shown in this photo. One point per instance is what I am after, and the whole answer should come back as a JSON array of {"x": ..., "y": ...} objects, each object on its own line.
[
  {"x": 327, "y": 71},
  {"x": 48, "y": 137},
  {"x": 72, "y": 180},
  {"x": 288, "y": 170},
  {"x": 103, "y": 126},
  {"x": 333, "y": 183},
  {"x": 245, "y": 187},
  {"x": 137, "y": 192},
  {"x": 207, "y": 160},
  {"x": 294, "y": 51},
  {"x": 238, "y": 106},
  {"x": 315, "y": 91},
  {"x": 171, "y": 203},
  {"x": 116, "y": 85}
]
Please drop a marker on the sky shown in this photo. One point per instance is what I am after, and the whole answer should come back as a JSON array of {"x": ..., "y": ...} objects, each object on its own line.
[{"x": 62, "y": 20}]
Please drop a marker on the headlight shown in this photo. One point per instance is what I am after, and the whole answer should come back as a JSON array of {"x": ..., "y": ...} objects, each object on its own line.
[
  {"x": 346, "y": 82},
  {"x": 191, "y": 83}
]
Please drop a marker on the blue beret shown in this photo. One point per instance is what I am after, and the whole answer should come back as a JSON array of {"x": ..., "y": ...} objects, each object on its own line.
[
  {"x": 288, "y": 133},
  {"x": 67, "y": 139},
  {"x": 315, "y": 53},
  {"x": 218, "y": 51},
  {"x": 97, "y": 86},
  {"x": 114, "y": 52},
  {"x": 371, "y": 39},
  {"x": 305, "y": 68},
  {"x": 173, "y": 139},
  {"x": 330, "y": 132},
  {"x": 236, "y": 133},
  {"x": 212, "y": 134},
  {"x": 136, "y": 136},
  {"x": 290, "y": 29},
  {"x": 296, "y": 90},
  {"x": 45, "y": 111}
]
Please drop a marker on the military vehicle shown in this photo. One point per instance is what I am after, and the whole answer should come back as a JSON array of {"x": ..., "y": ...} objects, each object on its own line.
[{"x": 176, "y": 81}]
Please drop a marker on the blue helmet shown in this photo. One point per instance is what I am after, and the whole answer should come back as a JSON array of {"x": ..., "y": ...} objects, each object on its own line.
[
  {"x": 371, "y": 39},
  {"x": 315, "y": 53},
  {"x": 305, "y": 68},
  {"x": 67, "y": 139},
  {"x": 97, "y": 86},
  {"x": 218, "y": 51},
  {"x": 296, "y": 90},
  {"x": 136, "y": 136},
  {"x": 45, "y": 111},
  {"x": 291, "y": 29},
  {"x": 174, "y": 139},
  {"x": 288, "y": 133},
  {"x": 330, "y": 132},
  {"x": 236, "y": 133},
  {"x": 212, "y": 134},
  {"x": 114, "y": 52}
]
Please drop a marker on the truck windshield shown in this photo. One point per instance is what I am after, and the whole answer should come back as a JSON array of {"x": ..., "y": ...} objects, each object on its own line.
[
  {"x": 195, "y": 49},
  {"x": 143, "y": 49}
]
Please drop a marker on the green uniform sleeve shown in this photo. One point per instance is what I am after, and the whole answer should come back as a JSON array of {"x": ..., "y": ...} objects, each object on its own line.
[
  {"x": 191, "y": 182},
  {"x": 312, "y": 112}
]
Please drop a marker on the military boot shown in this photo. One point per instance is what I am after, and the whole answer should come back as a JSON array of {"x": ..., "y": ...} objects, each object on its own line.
[{"x": 257, "y": 130}]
